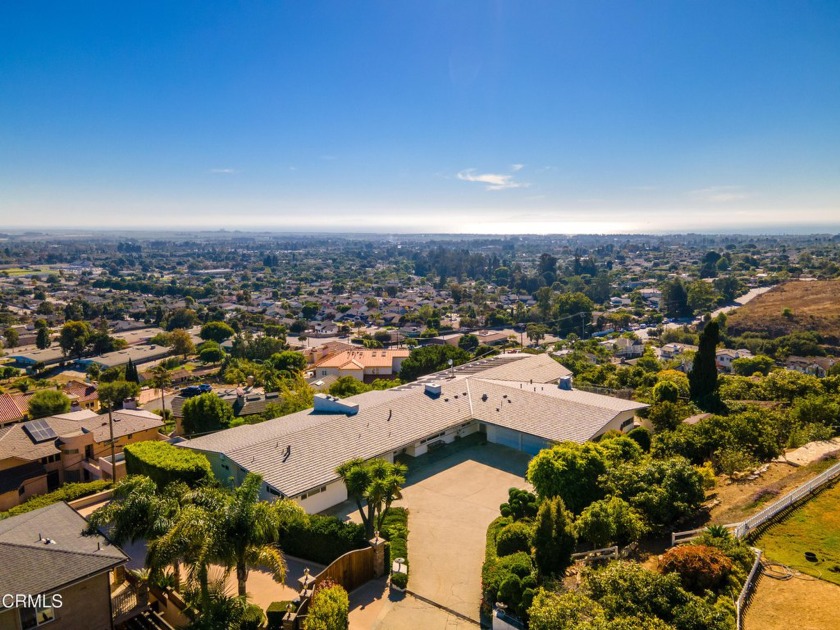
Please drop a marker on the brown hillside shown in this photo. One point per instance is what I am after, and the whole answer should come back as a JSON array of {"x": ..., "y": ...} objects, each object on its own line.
[{"x": 814, "y": 306}]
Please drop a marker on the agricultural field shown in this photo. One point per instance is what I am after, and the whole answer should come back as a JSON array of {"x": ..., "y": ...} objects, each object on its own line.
[{"x": 790, "y": 307}]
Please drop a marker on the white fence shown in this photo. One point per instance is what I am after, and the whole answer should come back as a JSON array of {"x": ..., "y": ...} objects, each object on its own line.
[
  {"x": 677, "y": 538},
  {"x": 786, "y": 501},
  {"x": 746, "y": 592},
  {"x": 739, "y": 530},
  {"x": 597, "y": 554}
]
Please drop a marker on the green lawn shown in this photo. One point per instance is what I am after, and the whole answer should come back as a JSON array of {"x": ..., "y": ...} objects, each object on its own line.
[{"x": 813, "y": 527}]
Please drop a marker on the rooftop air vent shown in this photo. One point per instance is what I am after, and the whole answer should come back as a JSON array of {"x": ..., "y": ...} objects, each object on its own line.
[{"x": 433, "y": 389}]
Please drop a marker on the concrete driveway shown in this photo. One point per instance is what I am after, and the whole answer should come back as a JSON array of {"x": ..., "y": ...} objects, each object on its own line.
[{"x": 451, "y": 503}]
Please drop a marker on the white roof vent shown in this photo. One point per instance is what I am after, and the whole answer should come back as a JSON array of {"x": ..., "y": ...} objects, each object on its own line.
[{"x": 433, "y": 389}]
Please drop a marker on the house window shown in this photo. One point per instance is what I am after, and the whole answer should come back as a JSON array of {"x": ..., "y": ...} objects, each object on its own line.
[
  {"x": 323, "y": 372},
  {"x": 626, "y": 423},
  {"x": 34, "y": 617}
]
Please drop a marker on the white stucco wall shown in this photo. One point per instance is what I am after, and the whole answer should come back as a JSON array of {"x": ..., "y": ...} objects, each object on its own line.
[{"x": 335, "y": 493}]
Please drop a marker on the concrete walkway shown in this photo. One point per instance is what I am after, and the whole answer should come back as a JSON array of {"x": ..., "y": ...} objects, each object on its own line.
[{"x": 374, "y": 607}]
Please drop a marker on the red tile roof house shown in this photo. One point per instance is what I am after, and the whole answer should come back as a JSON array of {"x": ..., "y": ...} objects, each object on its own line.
[
  {"x": 363, "y": 365},
  {"x": 14, "y": 407}
]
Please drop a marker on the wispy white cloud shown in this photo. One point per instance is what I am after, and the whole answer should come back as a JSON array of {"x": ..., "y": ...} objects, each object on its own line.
[
  {"x": 719, "y": 194},
  {"x": 516, "y": 167},
  {"x": 493, "y": 181},
  {"x": 223, "y": 171}
]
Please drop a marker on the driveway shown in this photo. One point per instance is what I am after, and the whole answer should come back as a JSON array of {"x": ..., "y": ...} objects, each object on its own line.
[{"x": 451, "y": 503}]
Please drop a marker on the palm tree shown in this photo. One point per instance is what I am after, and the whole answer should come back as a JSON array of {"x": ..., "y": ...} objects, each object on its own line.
[
  {"x": 248, "y": 531},
  {"x": 139, "y": 512},
  {"x": 377, "y": 483},
  {"x": 190, "y": 540},
  {"x": 161, "y": 379},
  {"x": 111, "y": 394}
]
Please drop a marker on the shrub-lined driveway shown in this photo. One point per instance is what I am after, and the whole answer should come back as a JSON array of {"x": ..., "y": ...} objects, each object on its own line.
[{"x": 451, "y": 503}]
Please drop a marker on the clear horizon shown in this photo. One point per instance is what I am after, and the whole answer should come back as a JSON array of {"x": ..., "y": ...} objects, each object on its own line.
[{"x": 474, "y": 118}]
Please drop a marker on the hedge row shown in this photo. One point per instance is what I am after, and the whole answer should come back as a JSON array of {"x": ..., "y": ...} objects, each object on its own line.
[
  {"x": 164, "y": 463},
  {"x": 322, "y": 539},
  {"x": 395, "y": 531},
  {"x": 68, "y": 492}
]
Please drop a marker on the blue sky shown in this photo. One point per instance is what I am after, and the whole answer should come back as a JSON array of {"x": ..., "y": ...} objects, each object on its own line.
[{"x": 457, "y": 116}]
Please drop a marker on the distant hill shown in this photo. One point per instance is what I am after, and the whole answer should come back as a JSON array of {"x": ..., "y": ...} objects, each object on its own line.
[{"x": 812, "y": 306}]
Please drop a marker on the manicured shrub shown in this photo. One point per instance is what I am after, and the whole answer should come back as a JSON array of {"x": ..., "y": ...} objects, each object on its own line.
[
  {"x": 400, "y": 580},
  {"x": 514, "y": 537},
  {"x": 329, "y": 609},
  {"x": 67, "y": 492},
  {"x": 700, "y": 567},
  {"x": 497, "y": 570},
  {"x": 520, "y": 504},
  {"x": 395, "y": 531},
  {"x": 164, "y": 463}
]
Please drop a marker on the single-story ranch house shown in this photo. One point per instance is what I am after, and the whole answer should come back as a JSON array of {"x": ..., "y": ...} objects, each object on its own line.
[{"x": 521, "y": 401}]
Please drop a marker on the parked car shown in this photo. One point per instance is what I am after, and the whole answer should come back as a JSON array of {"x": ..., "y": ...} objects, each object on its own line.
[{"x": 191, "y": 390}]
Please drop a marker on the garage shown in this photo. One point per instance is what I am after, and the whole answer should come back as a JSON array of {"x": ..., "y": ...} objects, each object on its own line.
[{"x": 518, "y": 440}]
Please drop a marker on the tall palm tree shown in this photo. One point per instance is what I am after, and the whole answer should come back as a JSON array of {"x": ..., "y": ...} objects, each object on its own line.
[
  {"x": 248, "y": 531},
  {"x": 161, "y": 379},
  {"x": 139, "y": 512},
  {"x": 374, "y": 485},
  {"x": 190, "y": 540},
  {"x": 112, "y": 394}
]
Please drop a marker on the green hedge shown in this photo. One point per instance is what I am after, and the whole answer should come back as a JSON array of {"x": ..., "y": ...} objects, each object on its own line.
[
  {"x": 395, "y": 531},
  {"x": 68, "y": 492},
  {"x": 322, "y": 539},
  {"x": 164, "y": 463}
]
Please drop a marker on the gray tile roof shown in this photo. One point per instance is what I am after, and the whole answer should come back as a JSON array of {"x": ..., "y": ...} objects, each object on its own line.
[
  {"x": 546, "y": 412},
  {"x": 391, "y": 419},
  {"x": 28, "y": 565}
]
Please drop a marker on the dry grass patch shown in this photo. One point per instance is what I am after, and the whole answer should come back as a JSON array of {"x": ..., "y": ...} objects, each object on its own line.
[{"x": 812, "y": 307}]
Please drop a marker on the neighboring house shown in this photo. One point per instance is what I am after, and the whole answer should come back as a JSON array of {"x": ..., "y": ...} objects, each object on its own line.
[
  {"x": 321, "y": 383},
  {"x": 82, "y": 395},
  {"x": 628, "y": 348},
  {"x": 48, "y": 357},
  {"x": 138, "y": 354},
  {"x": 329, "y": 349},
  {"x": 681, "y": 351},
  {"x": 363, "y": 365},
  {"x": 39, "y": 455},
  {"x": 514, "y": 400},
  {"x": 65, "y": 578},
  {"x": 724, "y": 358},
  {"x": 14, "y": 407},
  {"x": 817, "y": 366},
  {"x": 673, "y": 350}
]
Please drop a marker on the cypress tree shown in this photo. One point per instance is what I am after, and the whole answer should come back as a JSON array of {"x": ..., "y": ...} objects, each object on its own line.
[
  {"x": 702, "y": 378},
  {"x": 131, "y": 374}
]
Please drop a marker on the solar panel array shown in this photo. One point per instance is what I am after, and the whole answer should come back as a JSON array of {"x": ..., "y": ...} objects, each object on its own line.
[{"x": 39, "y": 431}]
